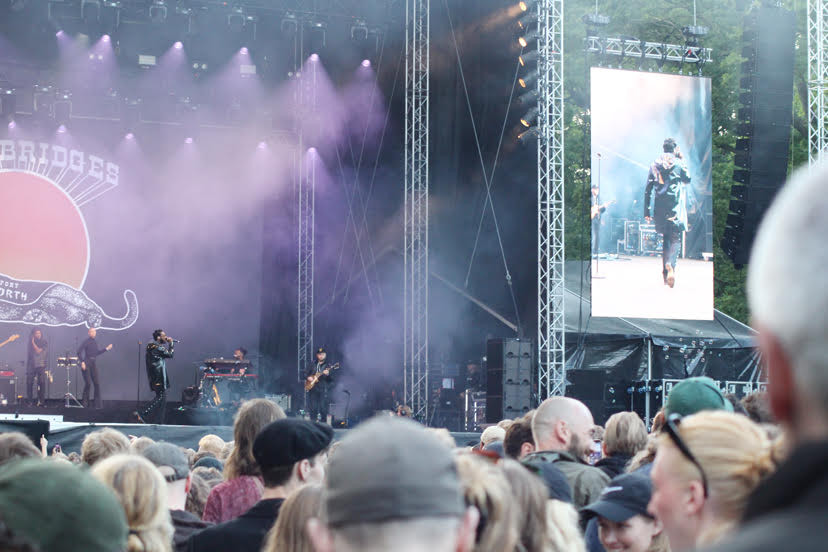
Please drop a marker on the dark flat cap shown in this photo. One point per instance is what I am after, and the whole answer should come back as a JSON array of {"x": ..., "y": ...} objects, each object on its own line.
[
  {"x": 168, "y": 455},
  {"x": 391, "y": 468},
  {"x": 287, "y": 441}
]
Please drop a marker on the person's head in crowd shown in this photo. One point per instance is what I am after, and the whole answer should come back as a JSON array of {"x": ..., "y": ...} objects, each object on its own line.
[
  {"x": 504, "y": 424},
  {"x": 142, "y": 492},
  {"x": 103, "y": 443},
  {"x": 292, "y": 453},
  {"x": 209, "y": 462},
  {"x": 139, "y": 444},
  {"x": 529, "y": 499},
  {"x": 492, "y": 434},
  {"x": 172, "y": 462},
  {"x": 289, "y": 533},
  {"x": 16, "y": 445},
  {"x": 202, "y": 481},
  {"x": 444, "y": 435},
  {"x": 60, "y": 508},
  {"x": 227, "y": 451},
  {"x": 623, "y": 520},
  {"x": 404, "y": 494},
  {"x": 625, "y": 435},
  {"x": 202, "y": 454},
  {"x": 486, "y": 488},
  {"x": 658, "y": 421},
  {"x": 705, "y": 468},
  {"x": 211, "y": 443},
  {"x": 693, "y": 395},
  {"x": 75, "y": 458},
  {"x": 253, "y": 415},
  {"x": 563, "y": 424},
  {"x": 645, "y": 456},
  {"x": 735, "y": 404},
  {"x": 788, "y": 300},
  {"x": 562, "y": 524},
  {"x": 519, "y": 441},
  {"x": 757, "y": 407},
  {"x": 494, "y": 450},
  {"x": 59, "y": 457}
]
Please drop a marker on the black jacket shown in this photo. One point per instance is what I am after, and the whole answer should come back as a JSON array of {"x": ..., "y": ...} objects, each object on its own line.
[
  {"x": 185, "y": 525},
  {"x": 613, "y": 465},
  {"x": 88, "y": 350},
  {"x": 789, "y": 510},
  {"x": 157, "y": 355},
  {"x": 246, "y": 533}
]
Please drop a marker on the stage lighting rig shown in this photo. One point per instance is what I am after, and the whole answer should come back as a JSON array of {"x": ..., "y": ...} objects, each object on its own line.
[
  {"x": 526, "y": 39},
  {"x": 8, "y": 102},
  {"x": 528, "y": 97},
  {"x": 528, "y": 136},
  {"x": 359, "y": 30},
  {"x": 527, "y": 58},
  {"x": 528, "y": 80},
  {"x": 524, "y": 5},
  {"x": 596, "y": 20},
  {"x": 289, "y": 24},
  {"x": 530, "y": 117},
  {"x": 158, "y": 11}
]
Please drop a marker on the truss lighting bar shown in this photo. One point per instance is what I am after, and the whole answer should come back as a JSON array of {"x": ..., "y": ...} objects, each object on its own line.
[{"x": 648, "y": 50}]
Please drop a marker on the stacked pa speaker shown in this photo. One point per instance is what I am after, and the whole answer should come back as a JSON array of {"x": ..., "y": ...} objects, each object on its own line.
[
  {"x": 764, "y": 130},
  {"x": 509, "y": 364}
]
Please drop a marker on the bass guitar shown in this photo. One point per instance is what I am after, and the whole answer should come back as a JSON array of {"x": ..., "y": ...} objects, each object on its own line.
[
  {"x": 311, "y": 382},
  {"x": 11, "y": 338}
]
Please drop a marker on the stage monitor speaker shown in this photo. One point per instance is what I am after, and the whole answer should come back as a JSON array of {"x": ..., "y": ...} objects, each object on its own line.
[
  {"x": 8, "y": 390},
  {"x": 764, "y": 128},
  {"x": 509, "y": 364}
]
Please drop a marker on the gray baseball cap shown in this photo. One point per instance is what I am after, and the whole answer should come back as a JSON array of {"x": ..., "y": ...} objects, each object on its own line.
[
  {"x": 391, "y": 468},
  {"x": 166, "y": 454}
]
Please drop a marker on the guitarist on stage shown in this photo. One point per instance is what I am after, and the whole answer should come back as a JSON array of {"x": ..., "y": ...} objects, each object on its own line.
[
  {"x": 595, "y": 211},
  {"x": 36, "y": 366},
  {"x": 318, "y": 394}
]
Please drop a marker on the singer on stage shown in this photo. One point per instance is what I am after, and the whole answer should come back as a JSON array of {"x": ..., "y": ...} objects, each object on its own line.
[
  {"x": 161, "y": 348},
  {"x": 36, "y": 367},
  {"x": 88, "y": 354}
]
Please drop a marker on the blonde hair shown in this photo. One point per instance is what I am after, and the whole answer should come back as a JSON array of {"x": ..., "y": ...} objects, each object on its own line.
[
  {"x": 625, "y": 434},
  {"x": 734, "y": 453},
  {"x": 442, "y": 434},
  {"x": 137, "y": 446},
  {"x": 644, "y": 456},
  {"x": 492, "y": 434},
  {"x": 485, "y": 487},
  {"x": 211, "y": 443},
  {"x": 250, "y": 419},
  {"x": 142, "y": 491},
  {"x": 288, "y": 533},
  {"x": 202, "y": 481},
  {"x": 530, "y": 497},
  {"x": 101, "y": 444},
  {"x": 16, "y": 445},
  {"x": 562, "y": 524}
]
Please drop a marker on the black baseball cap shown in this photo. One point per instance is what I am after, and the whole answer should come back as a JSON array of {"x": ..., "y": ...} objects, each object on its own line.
[{"x": 626, "y": 496}]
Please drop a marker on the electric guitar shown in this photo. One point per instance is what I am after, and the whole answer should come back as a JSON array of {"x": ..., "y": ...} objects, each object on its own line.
[
  {"x": 311, "y": 382},
  {"x": 595, "y": 210},
  {"x": 11, "y": 338}
]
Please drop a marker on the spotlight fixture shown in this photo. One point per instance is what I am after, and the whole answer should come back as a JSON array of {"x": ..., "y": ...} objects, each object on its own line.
[
  {"x": 178, "y": 45},
  {"x": 236, "y": 19},
  {"x": 317, "y": 31},
  {"x": 694, "y": 31},
  {"x": 129, "y": 136},
  {"x": 289, "y": 24},
  {"x": 528, "y": 135},
  {"x": 530, "y": 117},
  {"x": 366, "y": 63},
  {"x": 524, "y": 5},
  {"x": 188, "y": 140},
  {"x": 158, "y": 11},
  {"x": 596, "y": 20},
  {"x": 147, "y": 60},
  {"x": 526, "y": 39},
  {"x": 528, "y": 57},
  {"x": 525, "y": 21},
  {"x": 528, "y": 80},
  {"x": 359, "y": 30}
]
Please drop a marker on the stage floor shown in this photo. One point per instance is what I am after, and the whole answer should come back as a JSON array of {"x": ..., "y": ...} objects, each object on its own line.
[{"x": 633, "y": 287}]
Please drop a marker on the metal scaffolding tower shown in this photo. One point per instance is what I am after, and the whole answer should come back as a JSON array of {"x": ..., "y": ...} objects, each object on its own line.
[
  {"x": 817, "y": 79},
  {"x": 415, "y": 325},
  {"x": 306, "y": 187},
  {"x": 551, "y": 362}
]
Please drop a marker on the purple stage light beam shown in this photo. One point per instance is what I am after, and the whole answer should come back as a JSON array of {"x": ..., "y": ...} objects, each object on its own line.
[
  {"x": 178, "y": 45},
  {"x": 366, "y": 63}
]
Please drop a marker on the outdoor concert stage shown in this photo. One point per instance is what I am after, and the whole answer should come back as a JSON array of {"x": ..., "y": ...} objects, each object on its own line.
[
  {"x": 628, "y": 284},
  {"x": 185, "y": 426}
]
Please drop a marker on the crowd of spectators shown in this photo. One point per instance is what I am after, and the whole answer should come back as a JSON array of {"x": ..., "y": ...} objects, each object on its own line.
[{"x": 712, "y": 472}]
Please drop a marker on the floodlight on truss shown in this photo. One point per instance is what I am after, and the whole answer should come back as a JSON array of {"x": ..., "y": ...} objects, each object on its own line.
[
  {"x": 530, "y": 117},
  {"x": 529, "y": 79},
  {"x": 528, "y": 135},
  {"x": 524, "y": 5},
  {"x": 526, "y": 39},
  {"x": 528, "y": 97},
  {"x": 528, "y": 57},
  {"x": 158, "y": 11}
]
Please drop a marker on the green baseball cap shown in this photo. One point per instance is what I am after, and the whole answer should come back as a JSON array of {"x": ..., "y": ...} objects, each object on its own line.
[
  {"x": 60, "y": 507},
  {"x": 694, "y": 395}
]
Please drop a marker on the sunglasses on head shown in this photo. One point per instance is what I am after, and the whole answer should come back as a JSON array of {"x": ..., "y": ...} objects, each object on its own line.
[{"x": 671, "y": 428}]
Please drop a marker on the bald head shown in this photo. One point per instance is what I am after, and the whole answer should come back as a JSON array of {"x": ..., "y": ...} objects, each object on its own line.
[{"x": 563, "y": 424}]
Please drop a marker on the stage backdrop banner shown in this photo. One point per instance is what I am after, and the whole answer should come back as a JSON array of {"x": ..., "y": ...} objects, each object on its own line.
[
  {"x": 651, "y": 195},
  {"x": 127, "y": 236}
]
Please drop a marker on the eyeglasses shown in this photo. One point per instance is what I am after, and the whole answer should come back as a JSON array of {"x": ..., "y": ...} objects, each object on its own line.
[{"x": 671, "y": 428}]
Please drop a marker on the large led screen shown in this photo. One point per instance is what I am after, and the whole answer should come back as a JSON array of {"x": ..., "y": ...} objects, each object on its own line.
[{"x": 651, "y": 207}]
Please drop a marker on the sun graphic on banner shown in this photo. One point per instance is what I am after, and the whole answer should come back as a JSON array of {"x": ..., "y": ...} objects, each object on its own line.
[{"x": 43, "y": 235}]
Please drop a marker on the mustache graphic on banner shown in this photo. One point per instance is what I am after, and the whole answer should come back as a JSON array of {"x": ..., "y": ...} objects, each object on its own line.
[{"x": 62, "y": 305}]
